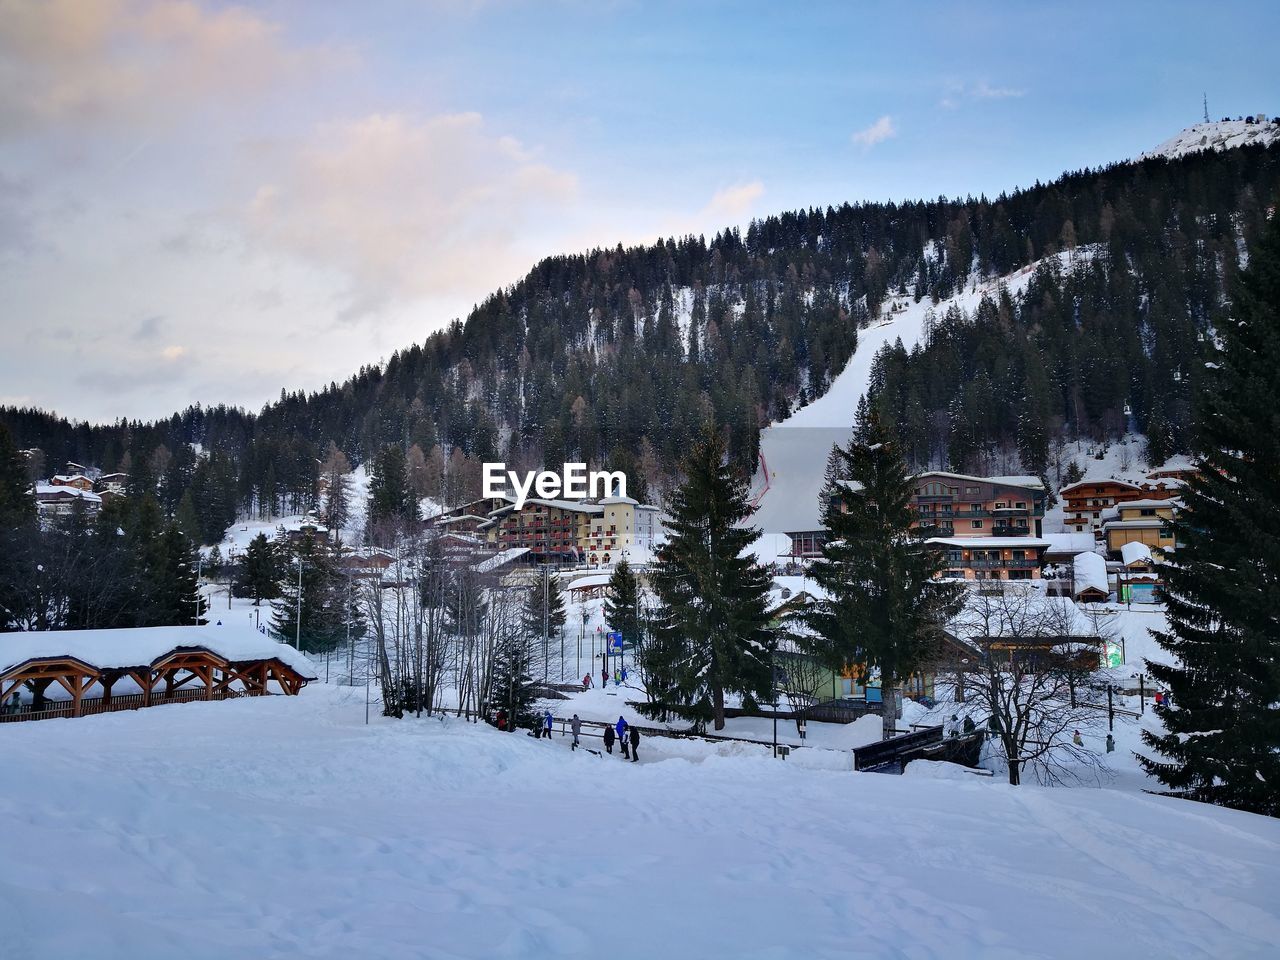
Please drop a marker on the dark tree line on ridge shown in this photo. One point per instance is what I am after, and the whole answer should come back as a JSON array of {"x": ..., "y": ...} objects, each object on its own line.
[{"x": 616, "y": 357}]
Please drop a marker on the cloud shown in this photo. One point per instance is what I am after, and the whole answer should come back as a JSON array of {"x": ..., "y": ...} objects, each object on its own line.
[
  {"x": 878, "y": 132},
  {"x": 405, "y": 207},
  {"x": 133, "y": 64},
  {"x": 734, "y": 202},
  {"x": 173, "y": 352},
  {"x": 149, "y": 328},
  {"x": 957, "y": 93}
]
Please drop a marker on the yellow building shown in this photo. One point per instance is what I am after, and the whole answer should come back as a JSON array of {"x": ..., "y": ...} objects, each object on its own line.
[{"x": 1147, "y": 522}]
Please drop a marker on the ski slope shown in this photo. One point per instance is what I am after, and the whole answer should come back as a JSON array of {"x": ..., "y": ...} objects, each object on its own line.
[
  {"x": 794, "y": 451},
  {"x": 284, "y": 827}
]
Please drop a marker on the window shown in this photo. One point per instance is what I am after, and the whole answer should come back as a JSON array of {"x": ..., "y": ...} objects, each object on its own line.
[
  {"x": 975, "y": 508},
  {"x": 1022, "y": 504},
  {"x": 1000, "y": 505},
  {"x": 975, "y": 524},
  {"x": 1166, "y": 532},
  {"x": 1148, "y": 512},
  {"x": 972, "y": 491}
]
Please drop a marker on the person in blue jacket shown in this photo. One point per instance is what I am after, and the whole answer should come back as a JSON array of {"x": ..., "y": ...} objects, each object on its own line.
[
  {"x": 546, "y": 724},
  {"x": 621, "y": 728}
]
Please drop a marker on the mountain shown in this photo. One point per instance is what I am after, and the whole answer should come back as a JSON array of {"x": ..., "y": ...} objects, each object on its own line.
[
  {"x": 1063, "y": 308},
  {"x": 1219, "y": 135}
]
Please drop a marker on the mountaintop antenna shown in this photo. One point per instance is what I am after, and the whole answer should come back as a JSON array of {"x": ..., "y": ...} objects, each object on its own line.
[{"x": 1206, "y": 108}]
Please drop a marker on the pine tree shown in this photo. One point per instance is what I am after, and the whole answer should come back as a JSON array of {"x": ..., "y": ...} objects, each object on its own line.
[
  {"x": 711, "y": 631},
  {"x": 19, "y": 536},
  {"x": 883, "y": 608},
  {"x": 325, "y": 606},
  {"x": 1222, "y": 586},
  {"x": 391, "y": 499},
  {"x": 512, "y": 687},
  {"x": 260, "y": 571},
  {"x": 622, "y": 604},
  {"x": 16, "y": 503},
  {"x": 544, "y": 612}
]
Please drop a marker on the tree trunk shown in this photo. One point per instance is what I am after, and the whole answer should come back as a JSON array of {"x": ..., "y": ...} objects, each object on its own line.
[
  {"x": 717, "y": 705},
  {"x": 889, "y": 694}
]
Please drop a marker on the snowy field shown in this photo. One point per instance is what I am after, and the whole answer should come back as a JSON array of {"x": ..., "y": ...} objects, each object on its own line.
[{"x": 287, "y": 828}]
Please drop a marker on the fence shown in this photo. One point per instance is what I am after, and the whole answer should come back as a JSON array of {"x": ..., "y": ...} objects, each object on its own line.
[{"x": 127, "y": 701}]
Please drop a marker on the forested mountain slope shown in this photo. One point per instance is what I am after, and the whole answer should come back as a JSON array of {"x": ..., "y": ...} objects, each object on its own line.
[{"x": 617, "y": 356}]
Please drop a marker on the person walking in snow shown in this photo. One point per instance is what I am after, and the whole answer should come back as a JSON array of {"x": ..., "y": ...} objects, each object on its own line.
[
  {"x": 1111, "y": 744},
  {"x": 617, "y": 677},
  {"x": 608, "y": 739},
  {"x": 968, "y": 726},
  {"x": 586, "y": 681},
  {"x": 546, "y": 724},
  {"x": 1077, "y": 739},
  {"x": 634, "y": 734},
  {"x": 576, "y": 726},
  {"x": 621, "y": 729},
  {"x": 604, "y": 677}
]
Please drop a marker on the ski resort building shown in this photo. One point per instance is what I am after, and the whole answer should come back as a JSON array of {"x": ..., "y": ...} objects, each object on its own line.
[
  {"x": 596, "y": 532},
  {"x": 1087, "y": 499},
  {"x": 59, "y": 500},
  {"x": 1146, "y": 521},
  {"x": 74, "y": 673}
]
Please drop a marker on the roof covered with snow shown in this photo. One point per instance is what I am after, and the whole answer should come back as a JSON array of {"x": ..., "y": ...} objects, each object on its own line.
[
  {"x": 1090, "y": 573},
  {"x": 141, "y": 646},
  {"x": 987, "y": 543},
  {"x": 1070, "y": 543},
  {"x": 1135, "y": 552}
]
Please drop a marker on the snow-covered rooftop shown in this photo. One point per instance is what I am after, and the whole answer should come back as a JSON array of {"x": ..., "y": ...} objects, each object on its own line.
[
  {"x": 1090, "y": 573},
  {"x": 1135, "y": 552},
  {"x": 984, "y": 543},
  {"x": 140, "y": 646}
]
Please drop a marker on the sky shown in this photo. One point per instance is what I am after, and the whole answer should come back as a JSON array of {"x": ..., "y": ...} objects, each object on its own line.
[{"x": 204, "y": 202}]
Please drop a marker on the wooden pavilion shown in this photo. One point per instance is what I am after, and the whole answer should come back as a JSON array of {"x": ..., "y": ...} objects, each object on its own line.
[{"x": 74, "y": 673}]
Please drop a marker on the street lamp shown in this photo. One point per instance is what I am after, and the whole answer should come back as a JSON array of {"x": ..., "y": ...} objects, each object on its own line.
[{"x": 297, "y": 635}]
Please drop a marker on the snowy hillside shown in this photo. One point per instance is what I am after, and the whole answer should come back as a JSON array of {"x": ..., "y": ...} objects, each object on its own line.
[
  {"x": 285, "y": 827},
  {"x": 794, "y": 451},
  {"x": 1217, "y": 135}
]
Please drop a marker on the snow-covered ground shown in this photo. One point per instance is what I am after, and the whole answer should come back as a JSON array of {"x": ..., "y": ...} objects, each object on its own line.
[
  {"x": 285, "y": 827},
  {"x": 1216, "y": 135}
]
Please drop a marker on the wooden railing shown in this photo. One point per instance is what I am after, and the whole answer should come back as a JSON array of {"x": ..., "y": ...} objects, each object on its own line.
[{"x": 126, "y": 701}]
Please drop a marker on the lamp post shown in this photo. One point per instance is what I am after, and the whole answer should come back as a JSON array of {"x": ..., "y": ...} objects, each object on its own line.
[{"x": 297, "y": 634}]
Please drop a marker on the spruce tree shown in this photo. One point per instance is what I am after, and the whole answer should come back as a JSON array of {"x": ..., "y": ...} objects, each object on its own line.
[
  {"x": 511, "y": 686},
  {"x": 711, "y": 631},
  {"x": 622, "y": 604},
  {"x": 883, "y": 607},
  {"x": 544, "y": 613},
  {"x": 391, "y": 499},
  {"x": 19, "y": 536},
  {"x": 324, "y": 606},
  {"x": 260, "y": 573},
  {"x": 1222, "y": 585}
]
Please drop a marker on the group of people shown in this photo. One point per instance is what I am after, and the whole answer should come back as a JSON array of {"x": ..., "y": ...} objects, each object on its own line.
[
  {"x": 622, "y": 733},
  {"x": 619, "y": 678}
]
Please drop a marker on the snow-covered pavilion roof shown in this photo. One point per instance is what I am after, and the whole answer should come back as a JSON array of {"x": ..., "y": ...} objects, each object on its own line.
[
  {"x": 141, "y": 646},
  {"x": 1135, "y": 552}
]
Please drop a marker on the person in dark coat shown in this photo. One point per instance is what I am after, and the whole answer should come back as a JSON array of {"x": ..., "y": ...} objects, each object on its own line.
[
  {"x": 608, "y": 739},
  {"x": 604, "y": 678},
  {"x": 620, "y": 728},
  {"x": 634, "y": 734}
]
